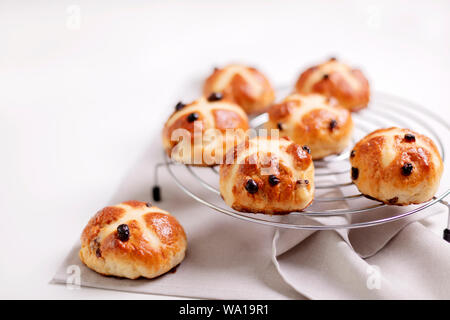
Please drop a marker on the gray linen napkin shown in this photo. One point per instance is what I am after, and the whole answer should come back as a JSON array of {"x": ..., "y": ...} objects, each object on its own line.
[{"x": 231, "y": 259}]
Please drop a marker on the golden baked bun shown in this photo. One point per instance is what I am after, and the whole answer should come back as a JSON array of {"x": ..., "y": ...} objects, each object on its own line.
[
  {"x": 132, "y": 240},
  {"x": 271, "y": 176},
  {"x": 220, "y": 125},
  {"x": 246, "y": 86},
  {"x": 313, "y": 120},
  {"x": 396, "y": 166},
  {"x": 335, "y": 79}
]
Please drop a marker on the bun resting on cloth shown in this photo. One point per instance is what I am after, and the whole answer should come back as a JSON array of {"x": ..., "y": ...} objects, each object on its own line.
[
  {"x": 396, "y": 166},
  {"x": 313, "y": 120},
  {"x": 335, "y": 79},
  {"x": 244, "y": 85},
  {"x": 131, "y": 240},
  {"x": 270, "y": 176},
  {"x": 200, "y": 133}
]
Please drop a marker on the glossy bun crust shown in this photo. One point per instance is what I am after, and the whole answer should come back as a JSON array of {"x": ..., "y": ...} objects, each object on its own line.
[
  {"x": 156, "y": 242},
  {"x": 335, "y": 79},
  {"x": 313, "y": 120},
  {"x": 213, "y": 119},
  {"x": 396, "y": 166},
  {"x": 271, "y": 176},
  {"x": 246, "y": 86}
]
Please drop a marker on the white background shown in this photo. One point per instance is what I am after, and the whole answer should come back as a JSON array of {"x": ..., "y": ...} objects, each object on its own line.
[{"x": 79, "y": 105}]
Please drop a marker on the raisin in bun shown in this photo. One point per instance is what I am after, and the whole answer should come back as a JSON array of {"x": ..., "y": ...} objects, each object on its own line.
[
  {"x": 271, "y": 176},
  {"x": 335, "y": 79},
  {"x": 132, "y": 240},
  {"x": 244, "y": 85},
  {"x": 219, "y": 124},
  {"x": 396, "y": 166},
  {"x": 313, "y": 120}
]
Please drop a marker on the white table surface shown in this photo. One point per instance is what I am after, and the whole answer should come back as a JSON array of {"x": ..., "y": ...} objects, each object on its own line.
[{"x": 79, "y": 103}]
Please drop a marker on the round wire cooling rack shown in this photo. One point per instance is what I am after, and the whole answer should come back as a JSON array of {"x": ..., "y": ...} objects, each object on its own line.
[{"x": 337, "y": 203}]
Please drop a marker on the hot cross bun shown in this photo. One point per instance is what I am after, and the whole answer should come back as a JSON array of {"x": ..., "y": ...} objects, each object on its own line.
[
  {"x": 244, "y": 85},
  {"x": 335, "y": 79},
  {"x": 131, "y": 240},
  {"x": 270, "y": 176},
  {"x": 200, "y": 133},
  {"x": 396, "y": 166},
  {"x": 313, "y": 120}
]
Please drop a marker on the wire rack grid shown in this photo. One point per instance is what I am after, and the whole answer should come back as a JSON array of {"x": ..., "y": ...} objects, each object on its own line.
[{"x": 337, "y": 203}]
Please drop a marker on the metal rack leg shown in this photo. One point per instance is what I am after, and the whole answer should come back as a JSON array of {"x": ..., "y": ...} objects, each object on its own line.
[
  {"x": 447, "y": 230},
  {"x": 156, "y": 189}
]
